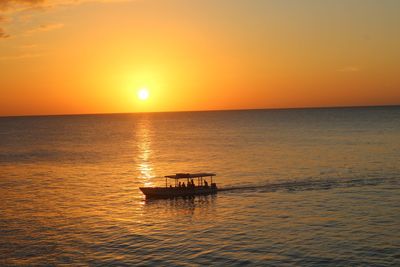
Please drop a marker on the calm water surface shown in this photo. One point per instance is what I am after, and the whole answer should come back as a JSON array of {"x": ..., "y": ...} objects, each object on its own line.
[{"x": 305, "y": 187}]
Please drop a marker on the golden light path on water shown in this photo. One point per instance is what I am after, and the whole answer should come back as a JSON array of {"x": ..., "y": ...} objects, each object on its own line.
[{"x": 144, "y": 165}]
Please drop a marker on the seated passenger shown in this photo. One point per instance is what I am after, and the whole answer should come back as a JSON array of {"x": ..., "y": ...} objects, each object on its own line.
[
  {"x": 205, "y": 184},
  {"x": 183, "y": 184}
]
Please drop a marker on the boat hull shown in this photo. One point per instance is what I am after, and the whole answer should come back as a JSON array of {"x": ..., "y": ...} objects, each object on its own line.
[{"x": 170, "y": 192}]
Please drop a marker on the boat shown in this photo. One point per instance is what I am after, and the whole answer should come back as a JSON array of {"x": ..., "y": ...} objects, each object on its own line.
[{"x": 187, "y": 188}]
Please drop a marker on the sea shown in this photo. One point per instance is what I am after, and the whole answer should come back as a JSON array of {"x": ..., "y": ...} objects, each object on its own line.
[{"x": 300, "y": 187}]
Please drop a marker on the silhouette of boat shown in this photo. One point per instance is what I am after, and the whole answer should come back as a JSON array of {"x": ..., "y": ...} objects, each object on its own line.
[{"x": 182, "y": 189}]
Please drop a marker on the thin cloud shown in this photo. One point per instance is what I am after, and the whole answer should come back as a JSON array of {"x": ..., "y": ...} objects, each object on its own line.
[
  {"x": 18, "y": 4},
  {"x": 349, "y": 69},
  {"x": 45, "y": 28},
  {"x": 3, "y": 34},
  {"x": 27, "y": 46},
  {"x": 20, "y": 56},
  {"x": 9, "y": 7}
]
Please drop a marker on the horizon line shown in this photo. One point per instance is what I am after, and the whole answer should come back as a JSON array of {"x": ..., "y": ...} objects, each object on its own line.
[{"x": 206, "y": 110}]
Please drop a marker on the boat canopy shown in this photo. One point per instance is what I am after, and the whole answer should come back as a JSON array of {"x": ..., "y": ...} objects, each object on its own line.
[{"x": 190, "y": 175}]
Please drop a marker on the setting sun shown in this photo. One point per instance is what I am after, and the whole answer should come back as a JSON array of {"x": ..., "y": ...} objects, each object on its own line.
[{"x": 143, "y": 94}]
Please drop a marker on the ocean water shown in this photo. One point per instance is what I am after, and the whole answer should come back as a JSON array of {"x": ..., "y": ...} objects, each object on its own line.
[{"x": 305, "y": 187}]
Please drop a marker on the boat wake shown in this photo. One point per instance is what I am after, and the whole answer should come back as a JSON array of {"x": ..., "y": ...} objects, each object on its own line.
[{"x": 312, "y": 184}]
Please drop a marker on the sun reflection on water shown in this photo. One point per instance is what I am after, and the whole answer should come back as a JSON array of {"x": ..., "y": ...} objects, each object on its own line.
[{"x": 144, "y": 152}]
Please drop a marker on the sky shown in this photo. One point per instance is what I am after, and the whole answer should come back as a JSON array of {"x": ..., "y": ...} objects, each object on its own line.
[{"x": 93, "y": 56}]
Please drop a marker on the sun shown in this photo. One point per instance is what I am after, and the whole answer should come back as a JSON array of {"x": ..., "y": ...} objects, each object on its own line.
[{"x": 143, "y": 94}]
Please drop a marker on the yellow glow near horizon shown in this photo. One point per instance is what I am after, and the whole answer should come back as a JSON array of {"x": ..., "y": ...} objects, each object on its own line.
[{"x": 143, "y": 94}]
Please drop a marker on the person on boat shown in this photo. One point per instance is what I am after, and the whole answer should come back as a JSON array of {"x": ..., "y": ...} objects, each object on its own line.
[
  {"x": 179, "y": 185},
  {"x": 183, "y": 184},
  {"x": 205, "y": 184},
  {"x": 192, "y": 183}
]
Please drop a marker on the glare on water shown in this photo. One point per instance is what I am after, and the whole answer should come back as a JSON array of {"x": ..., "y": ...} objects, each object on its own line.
[{"x": 144, "y": 151}]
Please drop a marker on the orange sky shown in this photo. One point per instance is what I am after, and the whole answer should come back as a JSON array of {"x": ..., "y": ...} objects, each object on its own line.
[{"x": 68, "y": 57}]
